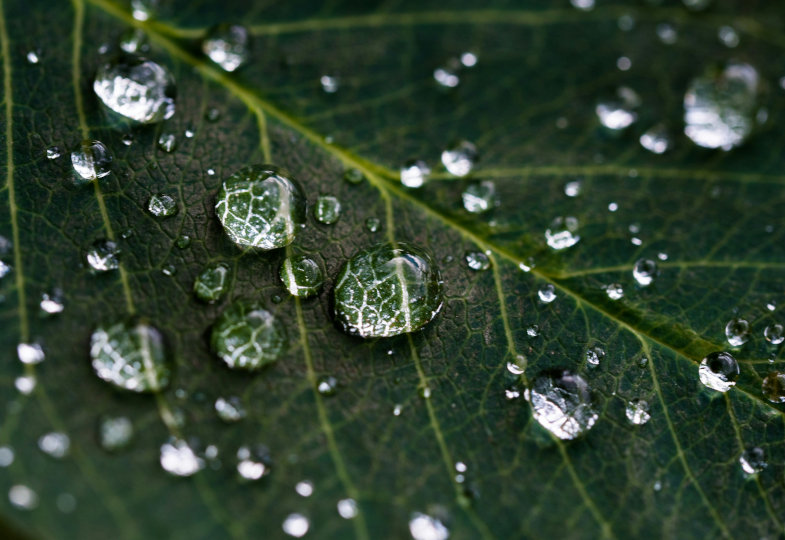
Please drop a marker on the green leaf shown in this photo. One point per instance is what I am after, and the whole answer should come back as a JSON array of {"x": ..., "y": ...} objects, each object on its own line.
[{"x": 528, "y": 105}]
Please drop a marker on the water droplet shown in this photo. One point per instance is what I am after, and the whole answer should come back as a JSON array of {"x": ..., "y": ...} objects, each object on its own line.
[
  {"x": 169, "y": 270},
  {"x": 227, "y": 45},
  {"x": 477, "y": 260},
  {"x": 347, "y": 508},
  {"x": 414, "y": 173},
  {"x": 55, "y": 444},
  {"x": 213, "y": 114},
  {"x": 143, "y": 10},
  {"x": 397, "y": 410},
  {"x": 230, "y": 409},
  {"x": 179, "y": 459},
  {"x": 562, "y": 233},
  {"x": 425, "y": 527},
  {"x": 327, "y": 209},
  {"x": 774, "y": 334},
  {"x": 619, "y": 113},
  {"x": 6, "y": 456},
  {"x": 561, "y": 403},
  {"x": 594, "y": 355},
  {"x": 32, "y": 57},
  {"x": 136, "y": 88},
  {"x": 183, "y": 241},
  {"x": 103, "y": 256},
  {"x": 547, "y": 293},
  {"x": 728, "y": 36},
  {"x": 23, "y": 497},
  {"x": 353, "y": 176},
  {"x": 91, "y": 161},
  {"x": 644, "y": 272},
  {"x": 424, "y": 392},
  {"x": 459, "y": 158},
  {"x": 167, "y": 142},
  {"x": 533, "y": 330},
  {"x": 296, "y": 525},
  {"x": 4, "y": 269},
  {"x": 719, "y": 108},
  {"x": 252, "y": 463},
  {"x": 773, "y": 387},
  {"x": 612, "y": 207},
  {"x": 53, "y": 152},
  {"x": 656, "y": 139},
  {"x": 246, "y": 336},
  {"x": 719, "y": 371},
  {"x": 52, "y": 303},
  {"x": 626, "y": 22},
  {"x": 304, "y": 488},
  {"x": 302, "y": 276},
  {"x": 386, "y": 290},
  {"x": 667, "y": 33},
  {"x": 130, "y": 355},
  {"x": 372, "y": 224},
  {"x": 30, "y": 353},
  {"x": 25, "y": 384},
  {"x": 261, "y": 206},
  {"x": 614, "y": 291},
  {"x": 623, "y": 63},
  {"x": 448, "y": 75},
  {"x": 573, "y": 188},
  {"x": 161, "y": 205},
  {"x": 212, "y": 283},
  {"x": 638, "y": 412},
  {"x": 583, "y": 5},
  {"x": 115, "y": 433},
  {"x": 518, "y": 366},
  {"x": 480, "y": 197},
  {"x": 330, "y": 83},
  {"x": 66, "y": 503},
  {"x": 189, "y": 133},
  {"x": 737, "y": 331},
  {"x": 752, "y": 461},
  {"x": 469, "y": 59},
  {"x": 134, "y": 41}
]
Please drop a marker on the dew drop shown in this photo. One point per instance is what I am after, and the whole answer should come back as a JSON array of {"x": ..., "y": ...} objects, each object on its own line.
[
  {"x": 614, "y": 291},
  {"x": 448, "y": 75},
  {"x": 22, "y": 497},
  {"x": 213, "y": 114},
  {"x": 304, "y": 488},
  {"x": 302, "y": 276},
  {"x": 644, "y": 272},
  {"x": 347, "y": 508},
  {"x": 142, "y": 10},
  {"x": 32, "y": 57},
  {"x": 372, "y": 224},
  {"x": 327, "y": 386},
  {"x": 115, "y": 433},
  {"x": 459, "y": 158},
  {"x": 477, "y": 261},
  {"x": 773, "y": 387},
  {"x": 737, "y": 331},
  {"x": 353, "y": 176},
  {"x": 397, "y": 410},
  {"x": 183, "y": 241},
  {"x": 583, "y": 5},
  {"x": 752, "y": 461},
  {"x": 134, "y": 41},
  {"x": 189, "y": 133},
  {"x": 719, "y": 371},
  {"x": 573, "y": 188},
  {"x": 774, "y": 334},
  {"x": 179, "y": 459},
  {"x": 212, "y": 283},
  {"x": 6, "y": 456},
  {"x": 230, "y": 409},
  {"x": 4, "y": 269},
  {"x": 30, "y": 353},
  {"x": 103, "y": 256},
  {"x": 227, "y": 45},
  {"x": 161, "y": 205},
  {"x": 619, "y": 113},
  {"x": 638, "y": 412},
  {"x": 562, "y": 233},
  {"x": 561, "y": 403},
  {"x": 246, "y": 336},
  {"x": 136, "y": 88},
  {"x": 167, "y": 142},
  {"x": 25, "y": 384},
  {"x": 91, "y": 161},
  {"x": 52, "y": 303},
  {"x": 53, "y": 152},
  {"x": 656, "y": 139},
  {"x": 728, "y": 36},
  {"x": 518, "y": 366},
  {"x": 425, "y": 527},
  {"x": 327, "y": 209},
  {"x": 594, "y": 355},
  {"x": 169, "y": 270},
  {"x": 414, "y": 173},
  {"x": 252, "y": 463},
  {"x": 547, "y": 293},
  {"x": 533, "y": 331},
  {"x": 296, "y": 525},
  {"x": 480, "y": 197},
  {"x": 54, "y": 444},
  {"x": 667, "y": 33}
]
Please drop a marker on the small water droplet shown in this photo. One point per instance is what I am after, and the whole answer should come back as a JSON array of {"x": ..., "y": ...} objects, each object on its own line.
[
  {"x": 296, "y": 525},
  {"x": 752, "y": 461},
  {"x": 210, "y": 172},
  {"x": 425, "y": 392},
  {"x": 644, "y": 272},
  {"x": 656, "y": 139},
  {"x": 115, "y": 433},
  {"x": 230, "y": 409},
  {"x": 533, "y": 331},
  {"x": 55, "y": 444},
  {"x": 330, "y": 83},
  {"x": 477, "y": 260},
  {"x": 372, "y": 224},
  {"x": 183, "y": 241},
  {"x": 189, "y": 133},
  {"x": 23, "y": 497},
  {"x": 227, "y": 45},
  {"x": 246, "y": 336},
  {"x": 594, "y": 355},
  {"x": 327, "y": 209},
  {"x": 167, "y": 142},
  {"x": 353, "y": 176},
  {"x": 30, "y": 353},
  {"x": 212, "y": 282},
  {"x": 32, "y": 57},
  {"x": 728, "y": 36},
  {"x": 179, "y": 459},
  {"x": 480, "y": 197},
  {"x": 169, "y": 270},
  {"x": 414, "y": 173},
  {"x": 562, "y": 233},
  {"x": 142, "y": 10},
  {"x": 53, "y": 152},
  {"x": 623, "y": 63},
  {"x": 134, "y": 41},
  {"x": 561, "y": 403},
  {"x": 6, "y": 456},
  {"x": 619, "y": 113},
  {"x": 626, "y": 22},
  {"x": 774, "y": 334},
  {"x": 612, "y": 207},
  {"x": 719, "y": 371},
  {"x": 547, "y": 293},
  {"x": 773, "y": 386},
  {"x": 397, "y": 410},
  {"x": 252, "y": 462},
  {"x": 614, "y": 291},
  {"x": 425, "y": 527},
  {"x": 737, "y": 331},
  {"x": 136, "y": 88},
  {"x": 91, "y": 161},
  {"x": 327, "y": 385},
  {"x": 25, "y": 384},
  {"x": 583, "y": 5},
  {"x": 573, "y": 188},
  {"x": 518, "y": 366},
  {"x": 638, "y": 412},
  {"x": 301, "y": 275},
  {"x": 161, "y": 205},
  {"x": 459, "y": 158},
  {"x": 347, "y": 508},
  {"x": 304, "y": 488},
  {"x": 667, "y": 33},
  {"x": 213, "y": 114},
  {"x": 66, "y": 503},
  {"x": 4, "y": 269}
]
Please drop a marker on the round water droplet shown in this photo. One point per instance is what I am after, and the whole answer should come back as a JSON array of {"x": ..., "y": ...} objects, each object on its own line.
[
  {"x": 230, "y": 409},
  {"x": 667, "y": 33},
  {"x": 55, "y": 444},
  {"x": 719, "y": 371},
  {"x": 459, "y": 158},
  {"x": 547, "y": 293},
  {"x": 728, "y": 36},
  {"x": 161, "y": 205},
  {"x": 213, "y": 114},
  {"x": 212, "y": 283},
  {"x": 183, "y": 241},
  {"x": 103, "y": 256},
  {"x": 227, "y": 45},
  {"x": 774, "y": 334},
  {"x": 261, "y": 206},
  {"x": 594, "y": 355},
  {"x": 372, "y": 224},
  {"x": 330, "y": 83},
  {"x": 773, "y": 386},
  {"x": 327, "y": 209},
  {"x": 480, "y": 197},
  {"x": 347, "y": 508},
  {"x": 614, "y": 291},
  {"x": 448, "y": 75},
  {"x": 737, "y": 331},
  {"x": 143, "y": 10},
  {"x": 25, "y": 384},
  {"x": 425, "y": 527},
  {"x": 296, "y": 525},
  {"x": 518, "y": 366},
  {"x": 6, "y": 456},
  {"x": 23, "y": 497},
  {"x": 32, "y": 57},
  {"x": 130, "y": 355},
  {"x": 644, "y": 272},
  {"x": 386, "y": 290},
  {"x": 91, "y": 161},
  {"x": 562, "y": 233},
  {"x": 656, "y": 139},
  {"x": 414, "y": 173},
  {"x": 752, "y": 461},
  {"x": 136, "y": 88},
  {"x": 179, "y": 459},
  {"x": 619, "y": 113},
  {"x": 53, "y": 152},
  {"x": 248, "y": 337},
  {"x": 134, "y": 41},
  {"x": 167, "y": 142},
  {"x": 638, "y": 412},
  {"x": 30, "y": 353},
  {"x": 353, "y": 176},
  {"x": 477, "y": 260},
  {"x": 561, "y": 403},
  {"x": 253, "y": 462},
  {"x": 304, "y": 488},
  {"x": 115, "y": 433},
  {"x": 573, "y": 189},
  {"x": 327, "y": 386},
  {"x": 301, "y": 276},
  {"x": 719, "y": 108}
]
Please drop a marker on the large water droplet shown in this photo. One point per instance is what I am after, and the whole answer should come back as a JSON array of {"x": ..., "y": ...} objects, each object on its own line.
[
  {"x": 414, "y": 173},
  {"x": 103, "y": 256},
  {"x": 619, "y": 113},
  {"x": 719, "y": 371},
  {"x": 477, "y": 260},
  {"x": 561, "y": 403},
  {"x": 179, "y": 459},
  {"x": 719, "y": 108},
  {"x": 91, "y": 161},
  {"x": 480, "y": 197},
  {"x": 425, "y": 527},
  {"x": 212, "y": 283},
  {"x": 562, "y": 233},
  {"x": 644, "y": 271},
  {"x": 302, "y": 276},
  {"x": 55, "y": 444},
  {"x": 115, "y": 433},
  {"x": 230, "y": 409},
  {"x": 296, "y": 525},
  {"x": 386, "y": 290},
  {"x": 246, "y": 336},
  {"x": 737, "y": 331},
  {"x": 752, "y": 461},
  {"x": 327, "y": 209},
  {"x": 774, "y": 334},
  {"x": 773, "y": 387},
  {"x": 459, "y": 158},
  {"x": 130, "y": 355},
  {"x": 227, "y": 45},
  {"x": 261, "y": 206},
  {"x": 637, "y": 412},
  {"x": 136, "y": 88}
]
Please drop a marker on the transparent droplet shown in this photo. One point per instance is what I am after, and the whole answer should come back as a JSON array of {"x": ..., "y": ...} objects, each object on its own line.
[
  {"x": 91, "y": 161},
  {"x": 30, "y": 353},
  {"x": 561, "y": 403},
  {"x": 252, "y": 462},
  {"x": 773, "y": 386},
  {"x": 53, "y": 152},
  {"x": 562, "y": 233},
  {"x": 246, "y": 336},
  {"x": 296, "y": 525},
  {"x": 161, "y": 205},
  {"x": 143, "y": 10},
  {"x": 573, "y": 188},
  {"x": 169, "y": 270},
  {"x": 547, "y": 293},
  {"x": 52, "y": 303},
  {"x": 347, "y": 508},
  {"x": 212, "y": 283},
  {"x": 353, "y": 176},
  {"x": 619, "y": 113},
  {"x": 134, "y": 41},
  {"x": 183, "y": 241},
  {"x": 227, "y": 45},
  {"x": 728, "y": 36},
  {"x": 719, "y": 371},
  {"x": 644, "y": 272},
  {"x": 583, "y": 5},
  {"x": 656, "y": 139},
  {"x": 469, "y": 59},
  {"x": 230, "y": 409},
  {"x": 261, "y": 206},
  {"x": 25, "y": 384},
  {"x": 752, "y": 461},
  {"x": 23, "y": 497},
  {"x": 32, "y": 57},
  {"x": 115, "y": 433},
  {"x": 638, "y": 412},
  {"x": 448, "y": 75},
  {"x": 414, "y": 173},
  {"x": 304, "y": 488},
  {"x": 327, "y": 209},
  {"x": 623, "y": 63},
  {"x": 614, "y": 291},
  {"x": 397, "y": 410},
  {"x": 66, "y": 503},
  {"x": 130, "y": 355},
  {"x": 136, "y": 88},
  {"x": 327, "y": 385},
  {"x": 127, "y": 139},
  {"x": 459, "y": 158},
  {"x": 55, "y": 444},
  {"x": 386, "y": 290},
  {"x": 302, "y": 276},
  {"x": 167, "y": 142},
  {"x": 518, "y": 366},
  {"x": 480, "y": 197},
  {"x": 737, "y": 331},
  {"x": 6, "y": 456},
  {"x": 533, "y": 330},
  {"x": 372, "y": 224},
  {"x": 103, "y": 256},
  {"x": 719, "y": 108},
  {"x": 594, "y": 355},
  {"x": 5, "y": 268},
  {"x": 425, "y": 527},
  {"x": 477, "y": 260},
  {"x": 774, "y": 334},
  {"x": 189, "y": 133},
  {"x": 179, "y": 459},
  {"x": 330, "y": 83}
]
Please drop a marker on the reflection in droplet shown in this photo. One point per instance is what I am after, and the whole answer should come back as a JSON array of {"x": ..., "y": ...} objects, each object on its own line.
[
  {"x": 227, "y": 45},
  {"x": 179, "y": 459},
  {"x": 414, "y": 173},
  {"x": 547, "y": 293},
  {"x": 737, "y": 331},
  {"x": 637, "y": 412},
  {"x": 562, "y": 233},
  {"x": 561, "y": 403},
  {"x": 477, "y": 260},
  {"x": 327, "y": 209},
  {"x": 136, "y": 88},
  {"x": 644, "y": 271},
  {"x": 301, "y": 275},
  {"x": 719, "y": 371},
  {"x": 614, "y": 291},
  {"x": 246, "y": 336},
  {"x": 459, "y": 158},
  {"x": 91, "y": 161},
  {"x": 212, "y": 283},
  {"x": 774, "y": 334},
  {"x": 480, "y": 197},
  {"x": 161, "y": 205}
]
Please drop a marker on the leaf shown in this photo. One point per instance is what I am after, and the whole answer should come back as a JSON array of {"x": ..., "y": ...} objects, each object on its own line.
[{"x": 528, "y": 105}]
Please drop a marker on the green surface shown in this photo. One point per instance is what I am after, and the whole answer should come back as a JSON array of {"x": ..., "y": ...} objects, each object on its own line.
[{"x": 538, "y": 61}]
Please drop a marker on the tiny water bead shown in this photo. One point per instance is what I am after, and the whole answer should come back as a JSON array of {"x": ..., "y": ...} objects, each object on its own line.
[
  {"x": 179, "y": 459},
  {"x": 91, "y": 160},
  {"x": 330, "y": 83},
  {"x": 167, "y": 142},
  {"x": 23, "y": 497},
  {"x": 637, "y": 412},
  {"x": 30, "y": 353},
  {"x": 252, "y": 462},
  {"x": 327, "y": 209},
  {"x": 737, "y": 331},
  {"x": 227, "y": 45},
  {"x": 414, "y": 173},
  {"x": 161, "y": 205},
  {"x": 130, "y": 355},
  {"x": 386, "y": 290},
  {"x": 619, "y": 113},
  {"x": 719, "y": 371},
  {"x": 212, "y": 283},
  {"x": 261, "y": 206},
  {"x": 459, "y": 158},
  {"x": 103, "y": 256},
  {"x": 614, "y": 291},
  {"x": 115, "y": 433},
  {"x": 774, "y": 334},
  {"x": 561, "y": 403},
  {"x": 142, "y": 10},
  {"x": 230, "y": 409},
  {"x": 547, "y": 293},
  {"x": 25, "y": 384},
  {"x": 296, "y": 525},
  {"x": 644, "y": 272},
  {"x": 573, "y": 188},
  {"x": 752, "y": 461},
  {"x": 54, "y": 444},
  {"x": 134, "y": 41},
  {"x": 183, "y": 241},
  {"x": 562, "y": 233},
  {"x": 773, "y": 387},
  {"x": 719, "y": 108},
  {"x": 480, "y": 197},
  {"x": 373, "y": 224},
  {"x": 327, "y": 385},
  {"x": 425, "y": 527},
  {"x": 656, "y": 139},
  {"x": 353, "y": 176},
  {"x": 347, "y": 508},
  {"x": 53, "y": 152},
  {"x": 477, "y": 260},
  {"x": 594, "y": 355},
  {"x": 302, "y": 276},
  {"x": 246, "y": 336},
  {"x": 304, "y": 488},
  {"x": 52, "y": 303},
  {"x": 136, "y": 88}
]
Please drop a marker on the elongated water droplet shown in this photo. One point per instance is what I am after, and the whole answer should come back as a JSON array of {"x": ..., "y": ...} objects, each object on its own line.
[
  {"x": 480, "y": 197},
  {"x": 179, "y": 459},
  {"x": 561, "y": 403},
  {"x": 161, "y": 205},
  {"x": 425, "y": 527},
  {"x": 477, "y": 260},
  {"x": 644, "y": 271},
  {"x": 103, "y": 256},
  {"x": 230, "y": 409},
  {"x": 30, "y": 353},
  {"x": 773, "y": 386},
  {"x": 774, "y": 334},
  {"x": 55, "y": 444},
  {"x": 619, "y": 113},
  {"x": 562, "y": 233},
  {"x": 414, "y": 173},
  {"x": 448, "y": 75},
  {"x": 719, "y": 371},
  {"x": 296, "y": 525},
  {"x": 386, "y": 290},
  {"x": 115, "y": 433},
  {"x": 91, "y": 161},
  {"x": 737, "y": 331},
  {"x": 167, "y": 142},
  {"x": 327, "y": 209},
  {"x": 459, "y": 158},
  {"x": 130, "y": 355},
  {"x": 227, "y": 45},
  {"x": 637, "y": 412},
  {"x": 246, "y": 336},
  {"x": 136, "y": 88},
  {"x": 656, "y": 139},
  {"x": 212, "y": 283},
  {"x": 752, "y": 461},
  {"x": 302, "y": 276},
  {"x": 261, "y": 206}
]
